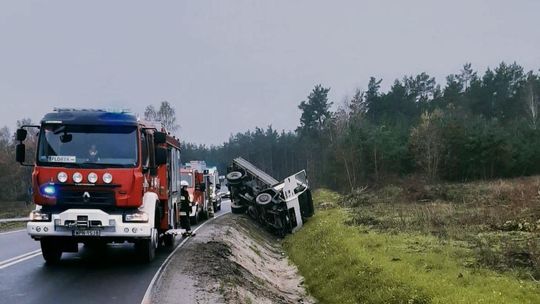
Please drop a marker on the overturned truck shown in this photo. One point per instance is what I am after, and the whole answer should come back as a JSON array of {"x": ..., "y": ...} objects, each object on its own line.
[{"x": 280, "y": 206}]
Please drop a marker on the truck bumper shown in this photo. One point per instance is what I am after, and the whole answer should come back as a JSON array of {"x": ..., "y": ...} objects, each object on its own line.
[{"x": 109, "y": 225}]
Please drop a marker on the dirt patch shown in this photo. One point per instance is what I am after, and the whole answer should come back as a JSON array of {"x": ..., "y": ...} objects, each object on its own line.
[{"x": 231, "y": 260}]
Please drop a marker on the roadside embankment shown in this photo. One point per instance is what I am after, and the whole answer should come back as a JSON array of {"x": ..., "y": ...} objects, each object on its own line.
[
  {"x": 377, "y": 250},
  {"x": 11, "y": 214},
  {"x": 230, "y": 260}
]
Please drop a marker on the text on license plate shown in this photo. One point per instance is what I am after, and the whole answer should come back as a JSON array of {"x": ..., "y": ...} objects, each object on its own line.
[{"x": 86, "y": 232}]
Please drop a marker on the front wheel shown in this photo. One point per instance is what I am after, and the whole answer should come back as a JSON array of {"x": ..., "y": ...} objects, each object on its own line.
[
  {"x": 176, "y": 219},
  {"x": 147, "y": 248},
  {"x": 204, "y": 215},
  {"x": 168, "y": 240},
  {"x": 51, "y": 251}
]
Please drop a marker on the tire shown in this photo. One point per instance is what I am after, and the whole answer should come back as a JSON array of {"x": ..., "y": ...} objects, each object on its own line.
[
  {"x": 194, "y": 220},
  {"x": 176, "y": 219},
  {"x": 263, "y": 199},
  {"x": 203, "y": 215},
  {"x": 252, "y": 212},
  {"x": 238, "y": 209},
  {"x": 234, "y": 177},
  {"x": 146, "y": 249},
  {"x": 168, "y": 240},
  {"x": 51, "y": 251}
]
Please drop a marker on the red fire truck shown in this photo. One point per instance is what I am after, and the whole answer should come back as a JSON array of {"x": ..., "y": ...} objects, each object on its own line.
[
  {"x": 196, "y": 189},
  {"x": 102, "y": 177}
]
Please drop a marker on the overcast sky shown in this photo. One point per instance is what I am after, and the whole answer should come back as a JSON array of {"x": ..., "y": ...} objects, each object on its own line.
[{"x": 228, "y": 66}]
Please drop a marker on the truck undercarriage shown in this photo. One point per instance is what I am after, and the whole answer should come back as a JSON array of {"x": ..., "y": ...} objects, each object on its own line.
[{"x": 280, "y": 206}]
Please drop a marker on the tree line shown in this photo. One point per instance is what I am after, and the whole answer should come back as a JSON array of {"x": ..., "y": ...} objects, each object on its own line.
[{"x": 474, "y": 126}]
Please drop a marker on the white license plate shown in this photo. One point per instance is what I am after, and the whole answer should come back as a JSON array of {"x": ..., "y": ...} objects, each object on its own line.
[{"x": 90, "y": 232}]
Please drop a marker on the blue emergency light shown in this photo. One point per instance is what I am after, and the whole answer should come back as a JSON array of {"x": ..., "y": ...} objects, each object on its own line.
[{"x": 48, "y": 190}]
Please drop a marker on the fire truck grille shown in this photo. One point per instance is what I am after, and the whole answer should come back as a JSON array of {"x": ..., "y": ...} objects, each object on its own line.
[{"x": 81, "y": 197}]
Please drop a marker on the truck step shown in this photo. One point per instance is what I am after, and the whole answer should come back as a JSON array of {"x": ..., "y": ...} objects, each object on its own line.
[{"x": 175, "y": 231}]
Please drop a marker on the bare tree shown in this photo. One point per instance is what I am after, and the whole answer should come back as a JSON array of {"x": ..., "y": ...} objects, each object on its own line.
[
  {"x": 150, "y": 113},
  {"x": 166, "y": 115}
]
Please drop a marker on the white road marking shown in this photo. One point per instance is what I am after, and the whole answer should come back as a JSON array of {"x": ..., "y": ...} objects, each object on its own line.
[
  {"x": 20, "y": 258},
  {"x": 10, "y": 232},
  {"x": 147, "y": 299}
]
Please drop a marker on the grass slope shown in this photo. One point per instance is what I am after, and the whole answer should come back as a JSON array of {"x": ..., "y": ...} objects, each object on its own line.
[{"x": 345, "y": 263}]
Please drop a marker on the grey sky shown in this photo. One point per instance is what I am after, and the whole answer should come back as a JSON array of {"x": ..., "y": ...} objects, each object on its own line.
[{"x": 228, "y": 66}]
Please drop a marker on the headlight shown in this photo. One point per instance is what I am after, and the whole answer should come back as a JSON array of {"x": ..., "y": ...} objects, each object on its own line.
[
  {"x": 92, "y": 177},
  {"x": 107, "y": 178},
  {"x": 62, "y": 177},
  {"x": 138, "y": 216},
  {"x": 77, "y": 177},
  {"x": 38, "y": 216}
]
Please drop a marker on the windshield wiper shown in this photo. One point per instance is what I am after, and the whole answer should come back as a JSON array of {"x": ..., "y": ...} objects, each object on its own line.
[
  {"x": 59, "y": 129},
  {"x": 93, "y": 165}
]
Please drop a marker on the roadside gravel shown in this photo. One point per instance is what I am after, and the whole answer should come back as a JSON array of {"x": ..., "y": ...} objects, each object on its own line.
[{"x": 230, "y": 260}]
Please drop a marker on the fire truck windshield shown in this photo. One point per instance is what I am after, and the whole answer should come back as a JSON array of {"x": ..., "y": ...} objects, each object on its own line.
[
  {"x": 88, "y": 146},
  {"x": 188, "y": 177}
]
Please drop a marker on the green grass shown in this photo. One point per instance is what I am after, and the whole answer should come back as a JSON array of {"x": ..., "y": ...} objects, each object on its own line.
[
  {"x": 343, "y": 263},
  {"x": 15, "y": 209},
  {"x": 12, "y": 226}
]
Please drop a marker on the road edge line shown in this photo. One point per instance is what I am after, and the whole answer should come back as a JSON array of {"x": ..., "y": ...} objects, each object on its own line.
[
  {"x": 2, "y": 263},
  {"x": 147, "y": 299},
  {"x": 27, "y": 257}
]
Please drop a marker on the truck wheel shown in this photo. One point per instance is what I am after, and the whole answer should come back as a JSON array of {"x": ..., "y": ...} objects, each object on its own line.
[
  {"x": 147, "y": 248},
  {"x": 263, "y": 199},
  {"x": 175, "y": 224},
  {"x": 168, "y": 240},
  {"x": 52, "y": 253},
  {"x": 194, "y": 220},
  {"x": 238, "y": 209},
  {"x": 234, "y": 177},
  {"x": 204, "y": 215}
]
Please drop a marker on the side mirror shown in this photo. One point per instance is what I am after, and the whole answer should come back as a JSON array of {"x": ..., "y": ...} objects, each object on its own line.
[
  {"x": 160, "y": 138},
  {"x": 21, "y": 134},
  {"x": 161, "y": 156},
  {"x": 20, "y": 152}
]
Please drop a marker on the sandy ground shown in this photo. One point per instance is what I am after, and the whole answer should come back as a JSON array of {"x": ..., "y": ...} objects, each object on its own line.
[{"x": 231, "y": 260}]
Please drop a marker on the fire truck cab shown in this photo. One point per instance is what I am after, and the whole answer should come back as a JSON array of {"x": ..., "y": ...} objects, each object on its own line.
[
  {"x": 194, "y": 176},
  {"x": 102, "y": 177}
]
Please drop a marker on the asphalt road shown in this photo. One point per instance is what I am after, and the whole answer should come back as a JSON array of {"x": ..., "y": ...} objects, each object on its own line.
[{"x": 93, "y": 275}]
